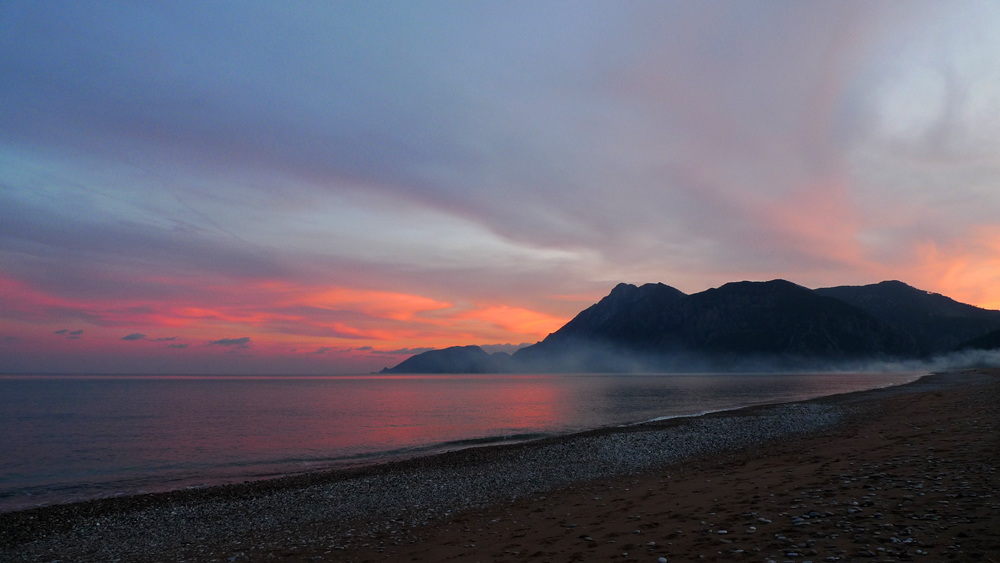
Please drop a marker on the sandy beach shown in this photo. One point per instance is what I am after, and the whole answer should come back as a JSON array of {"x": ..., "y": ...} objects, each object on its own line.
[{"x": 901, "y": 474}]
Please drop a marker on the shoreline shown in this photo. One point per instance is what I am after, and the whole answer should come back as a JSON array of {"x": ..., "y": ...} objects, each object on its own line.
[
  {"x": 327, "y": 508},
  {"x": 130, "y": 484},
  {"x": 392, "y": 460}
]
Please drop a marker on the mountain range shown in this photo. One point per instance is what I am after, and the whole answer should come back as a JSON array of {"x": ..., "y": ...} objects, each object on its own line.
[{"x": 739, "y": 326}]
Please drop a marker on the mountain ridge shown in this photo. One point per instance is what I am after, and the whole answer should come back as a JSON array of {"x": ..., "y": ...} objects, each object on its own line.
[
  {"x": 739, "y": 325},
  {"x": 938, "y": 323}
]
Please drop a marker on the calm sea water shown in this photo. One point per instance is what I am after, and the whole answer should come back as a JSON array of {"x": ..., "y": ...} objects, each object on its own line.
[{"x": 67, "y": 438}]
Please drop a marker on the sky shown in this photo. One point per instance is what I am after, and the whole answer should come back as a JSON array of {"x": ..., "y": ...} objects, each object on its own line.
[{"x": 330, "y": 187}]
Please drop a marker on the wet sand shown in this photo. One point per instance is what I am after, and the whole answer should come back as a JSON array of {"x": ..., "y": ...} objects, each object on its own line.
[{"x": 902, "y": 474}]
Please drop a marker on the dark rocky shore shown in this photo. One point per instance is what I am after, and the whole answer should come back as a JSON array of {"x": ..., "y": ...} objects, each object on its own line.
[{"x": 342, "y": 515}]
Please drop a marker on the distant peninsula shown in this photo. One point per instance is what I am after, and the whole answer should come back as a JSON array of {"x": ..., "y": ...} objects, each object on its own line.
[{"x": 747, "y": 326}]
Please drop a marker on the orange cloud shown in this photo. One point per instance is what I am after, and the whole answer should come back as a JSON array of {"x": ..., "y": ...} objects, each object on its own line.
[
  {"x": 389, "y": 305},
  {"x": 819, "y": 221},
  {"x": 968, "y": 271},
  {"x": 279, "y": 313},
  {"x": 517, "y": 320}
]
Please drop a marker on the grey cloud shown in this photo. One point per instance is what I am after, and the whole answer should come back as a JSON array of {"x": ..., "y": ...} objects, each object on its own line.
[
  {"x": 401, "y": 351},
  {"x": 177, "y": 345},
  {"x": 167, "y": 339},
  {"x": 69, "y": 333},
  {"x": 134, "y": 336},
  {"x": 243, "y": 342},
  {"x": 322, "y": 350},
  {"x": 72, "y": 99},
  {"x": 32, "y": 229},
  {"x": 356, "y": 349},
  {"x": 542, "y": 180}
]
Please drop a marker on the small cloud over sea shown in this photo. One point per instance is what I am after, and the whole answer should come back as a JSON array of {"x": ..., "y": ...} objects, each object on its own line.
[{"x": 243, "y": 342}]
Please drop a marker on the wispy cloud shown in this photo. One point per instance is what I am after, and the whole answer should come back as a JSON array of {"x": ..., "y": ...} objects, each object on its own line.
[
  {"x": 71, "y": 334},
  {"x": 134, "y": 336}
]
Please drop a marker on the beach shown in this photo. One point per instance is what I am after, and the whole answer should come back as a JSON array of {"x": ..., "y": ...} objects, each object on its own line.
[{"x": 903, "y": 473}]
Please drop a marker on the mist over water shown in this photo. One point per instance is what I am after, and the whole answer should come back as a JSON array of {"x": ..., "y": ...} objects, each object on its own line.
[
  {"x": 72, "y": 438},
  {"x": 599, "y": 357}
]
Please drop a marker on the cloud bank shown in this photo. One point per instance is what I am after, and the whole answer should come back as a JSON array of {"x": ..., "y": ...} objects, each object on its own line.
[{"x": 408, "y": 177}]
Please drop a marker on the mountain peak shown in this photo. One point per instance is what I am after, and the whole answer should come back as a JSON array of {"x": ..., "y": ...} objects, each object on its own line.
[
  {"x": 770, "y": 285},
  {"x": 623, "y": 288}
]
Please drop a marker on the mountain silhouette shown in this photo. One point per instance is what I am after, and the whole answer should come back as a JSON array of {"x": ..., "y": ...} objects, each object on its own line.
[
  {"x": 741, "y": 325},
  {"x": 457, "y": 359},
  {"x": 657, "y": 326}
]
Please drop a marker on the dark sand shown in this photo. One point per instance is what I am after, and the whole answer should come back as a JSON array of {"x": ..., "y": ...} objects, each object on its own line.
[{"x": 902, "y": 474}]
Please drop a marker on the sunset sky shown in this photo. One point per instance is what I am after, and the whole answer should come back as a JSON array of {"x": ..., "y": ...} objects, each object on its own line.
[{"x": 329, "y": 187}]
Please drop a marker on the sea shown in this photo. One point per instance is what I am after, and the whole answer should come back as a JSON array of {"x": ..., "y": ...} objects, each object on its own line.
[{"x": 67, "y": 438}]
